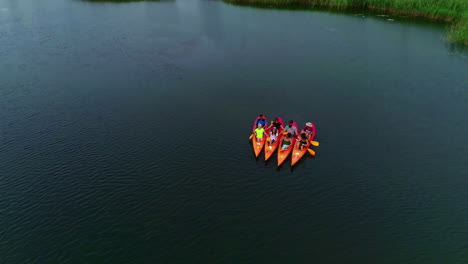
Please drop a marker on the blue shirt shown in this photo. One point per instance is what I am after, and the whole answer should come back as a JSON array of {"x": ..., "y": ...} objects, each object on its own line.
[{"x": 263, "y": 122}]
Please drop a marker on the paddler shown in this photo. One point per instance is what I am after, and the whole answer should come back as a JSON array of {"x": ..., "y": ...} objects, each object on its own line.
[
  {"x": 261, "y": 120},
  {"x": 291, "y": 129},
  {"x": 276, "y": 123},
  {"x": 273, "y": 135},
  {"x": 259, "y": 131},
  {"x": 286, "y": 141},
  {"x": 302, "y": 143},
  {"x": 308, "y": 129}
]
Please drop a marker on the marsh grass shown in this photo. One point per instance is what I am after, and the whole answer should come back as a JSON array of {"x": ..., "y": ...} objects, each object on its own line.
[
  {"x": 454, "y": 11},
  {"x": 459, "y": 32}
]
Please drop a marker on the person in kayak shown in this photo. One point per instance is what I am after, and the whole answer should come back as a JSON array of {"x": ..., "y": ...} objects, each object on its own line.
[
  {"x": 276, "y": 123},
  {"x": 302, "y": 143},
  {"x": 286, "y": 141},
  {"x": 259, "y": 131},
  {"x": 308, "y": 129},
  {"x": 261, "y": 120},
  {"x": 291, "y": 129},
  {"x": 273, "y": 135}
]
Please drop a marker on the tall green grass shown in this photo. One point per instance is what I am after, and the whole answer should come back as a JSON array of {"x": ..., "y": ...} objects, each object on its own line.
[
  {"x": 459, "y": 30},
  {"x": 455, "y": 11}
]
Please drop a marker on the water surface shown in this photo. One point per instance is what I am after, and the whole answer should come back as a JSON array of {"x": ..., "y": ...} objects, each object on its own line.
[{"x": 124, "y": 127}]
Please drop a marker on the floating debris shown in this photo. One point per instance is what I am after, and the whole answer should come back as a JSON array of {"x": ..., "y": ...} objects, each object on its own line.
[
  {"x": 383, "y": 15},
  {"x": 391, "y": 19}
]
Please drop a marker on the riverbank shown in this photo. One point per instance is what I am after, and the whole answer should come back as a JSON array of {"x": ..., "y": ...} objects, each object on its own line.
[{"x": 453, "y": 11}]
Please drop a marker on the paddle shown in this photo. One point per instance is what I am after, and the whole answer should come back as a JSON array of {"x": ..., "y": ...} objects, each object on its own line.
[
  {"x": 251, "y": 136},
  {"x": 311, "y": 152},
  {"x": 315, "y": 143}
]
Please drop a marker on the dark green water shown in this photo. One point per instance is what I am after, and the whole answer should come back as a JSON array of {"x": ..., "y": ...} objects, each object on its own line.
[{"x": 123, "y": 136}]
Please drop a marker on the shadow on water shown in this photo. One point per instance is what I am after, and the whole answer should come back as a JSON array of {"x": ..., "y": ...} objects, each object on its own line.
[
  {"x": 278, "y": 168},
  {"x": 307, "y": 157},
  {"x": 271, "y": 162},
  {"x": 253, "y": 153}
]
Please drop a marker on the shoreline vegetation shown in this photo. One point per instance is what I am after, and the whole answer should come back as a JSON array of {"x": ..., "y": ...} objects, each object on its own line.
[{"x": 452, "y": 11}]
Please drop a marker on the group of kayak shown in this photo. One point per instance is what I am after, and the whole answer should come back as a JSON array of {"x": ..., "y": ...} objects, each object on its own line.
[{"x": 287, "y": 138}]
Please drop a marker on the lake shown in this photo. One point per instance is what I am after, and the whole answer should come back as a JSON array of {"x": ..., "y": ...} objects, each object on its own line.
[{"x": 124, "y": 135}]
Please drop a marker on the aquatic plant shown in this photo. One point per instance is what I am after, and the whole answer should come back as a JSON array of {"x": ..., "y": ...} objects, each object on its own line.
[
  {"x": 454, "y": 11},
  {"x": 459, "y": 31}
]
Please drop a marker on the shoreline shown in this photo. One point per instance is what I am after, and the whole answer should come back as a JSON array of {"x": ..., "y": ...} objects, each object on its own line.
[{"x": 458, "y": 31}]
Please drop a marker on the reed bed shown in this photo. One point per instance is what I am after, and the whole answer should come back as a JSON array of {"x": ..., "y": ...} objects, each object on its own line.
[{"x": 453, "y": 11}]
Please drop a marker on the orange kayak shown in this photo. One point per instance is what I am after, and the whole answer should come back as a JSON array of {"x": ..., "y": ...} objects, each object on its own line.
[
  {"x": 270, "y": 148},
  {"x": 299, "y": 153},
  {"x": 258, "y": 145},
  {"x": 284, "y": 153}
]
